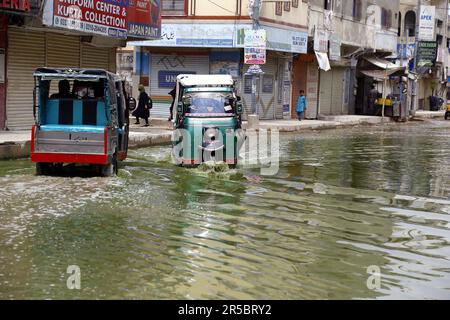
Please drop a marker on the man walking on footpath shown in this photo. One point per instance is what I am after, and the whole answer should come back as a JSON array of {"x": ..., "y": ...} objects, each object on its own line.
[
  {"x": 144, "y": 106},
  {"x": 301, "y": 105}
]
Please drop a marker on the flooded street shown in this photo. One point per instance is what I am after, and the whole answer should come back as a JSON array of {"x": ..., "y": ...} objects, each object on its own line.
[{"x": 343, "y": 201}]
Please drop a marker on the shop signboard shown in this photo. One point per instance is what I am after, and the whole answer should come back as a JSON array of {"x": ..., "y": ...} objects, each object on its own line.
[
  {"x": 111, "y": 18},
  {"x": 335, "y": 47},
  {"x": 168, "y": 79},
  {"x": 278, "y": 39},
  {"x": 426, "y": 55},
  {"x": 144, "y": 19},
  {"x": 255, "y": 47},
  {"x": 300, "y": 42},
  {"x": 107, "y": 18},
  {"x": 225, "y": 35},
  {"x": 20, "y": 7},
  {"x": 206, "y": 35},
  {"x": 427, "y": 23}
]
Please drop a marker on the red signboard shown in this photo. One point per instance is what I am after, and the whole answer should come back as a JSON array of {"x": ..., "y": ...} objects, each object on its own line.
[
  {"x": 15, "y": 5},
  {"x": 144, "y": 19},
  {"x": 105, "y": 17}
]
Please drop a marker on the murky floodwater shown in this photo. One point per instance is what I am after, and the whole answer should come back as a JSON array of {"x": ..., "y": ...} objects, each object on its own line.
[{"x": 342, "y": 201}]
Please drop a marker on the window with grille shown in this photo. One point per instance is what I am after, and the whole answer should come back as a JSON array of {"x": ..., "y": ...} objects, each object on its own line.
[
  {"x": 173, "y": 7},
  {"x": 357, "y": 10}
]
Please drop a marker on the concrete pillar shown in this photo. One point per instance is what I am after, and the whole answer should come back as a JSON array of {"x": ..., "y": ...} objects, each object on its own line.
[{"x": 3, "y": 47}]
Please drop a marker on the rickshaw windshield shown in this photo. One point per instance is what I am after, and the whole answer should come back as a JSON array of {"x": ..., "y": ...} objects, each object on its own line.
[{"x": 208, "y": 103}]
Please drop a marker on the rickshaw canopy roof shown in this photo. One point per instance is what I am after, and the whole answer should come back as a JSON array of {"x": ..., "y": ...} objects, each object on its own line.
[
  {"x": 74, "y": 74},
  {"x": 190, "y": 80}
]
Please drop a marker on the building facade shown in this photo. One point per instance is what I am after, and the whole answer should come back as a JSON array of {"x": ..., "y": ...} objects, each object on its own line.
[
  {"x": 345, "y": 33},
  {"x": 431, "y": 81},
  {"x": 208, "y": 37},
  {"x": 38, "y": 33}
]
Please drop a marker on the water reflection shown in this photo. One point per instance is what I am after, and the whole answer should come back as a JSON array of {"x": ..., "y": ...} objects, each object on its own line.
[{"x": 343, "y": 200}]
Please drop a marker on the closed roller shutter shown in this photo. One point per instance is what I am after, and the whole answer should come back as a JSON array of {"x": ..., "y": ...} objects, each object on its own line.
[
  {"x": 337, "y": 98},
  {"x": 173, "y": 65},
  {"x": 93, "y": 57},
  {"x": 266, "y": 101},
  {"x": 312, "y": 87},
  {"x": 26, "y": 52},
  {"x": 331, "y": 98},
  {"x": 63, "y": 51},
  {"x": 283, "y": 89},
  {"x": 325, "y": 93}
]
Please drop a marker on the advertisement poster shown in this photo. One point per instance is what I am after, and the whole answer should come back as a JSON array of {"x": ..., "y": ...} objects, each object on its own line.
[
  {"x": 320, "y": 41},
  {"x": 268, "y": 81},
  {"x": 225, "y": 63},
  {"x": 426, "y": 55},
  {"x": 255, "y": 46},
  {"x": 144, "y": 19},
  {"x": 427, "y": 23},
  {"x": 107, "y": 18},
  {"x": 406, "y": 51}
]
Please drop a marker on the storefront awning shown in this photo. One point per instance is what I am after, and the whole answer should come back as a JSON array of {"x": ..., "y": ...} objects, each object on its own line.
[
  {"x": 381, "y": 63},
  {"x": 322, "y": 59},
  {"x": 380, "y": 74}
]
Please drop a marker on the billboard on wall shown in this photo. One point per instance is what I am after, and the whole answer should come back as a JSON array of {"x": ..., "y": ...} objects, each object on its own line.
[
  {"x": 104, "y": 17},
  {"x": 144, "y": 19},
  {"x": 427, "y": 23},
  {"x": 111, "y": 18},
  {"x": 426, "y": 55}
]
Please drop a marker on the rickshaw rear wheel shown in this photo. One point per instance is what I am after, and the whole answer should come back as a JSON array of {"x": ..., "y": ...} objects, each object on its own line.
[
  {"x": 43, "y": 168},
  {"x": 110, "y": 169}
]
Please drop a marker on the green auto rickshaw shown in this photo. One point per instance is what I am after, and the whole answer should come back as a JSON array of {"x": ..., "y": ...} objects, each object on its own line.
[{"x": 208, "y": 120}]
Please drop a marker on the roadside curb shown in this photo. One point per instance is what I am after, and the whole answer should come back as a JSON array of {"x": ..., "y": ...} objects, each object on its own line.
[
  {"x": 14, "y": 150},
  {"x": 163, "y": 136}
]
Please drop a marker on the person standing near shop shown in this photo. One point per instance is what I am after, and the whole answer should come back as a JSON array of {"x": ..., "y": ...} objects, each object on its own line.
[
  {"x": 172, "y": 94},
  {"x": 144, "y": 106},
  {"x": 301, "y": 105},
  {"x": 372, "y": 98}
]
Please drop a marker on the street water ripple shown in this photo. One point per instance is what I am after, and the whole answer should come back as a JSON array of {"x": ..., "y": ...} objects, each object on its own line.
[{"x": 343, "y": 201}]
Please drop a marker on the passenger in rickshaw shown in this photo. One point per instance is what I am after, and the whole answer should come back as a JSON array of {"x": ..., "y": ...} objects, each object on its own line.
[{"x": 64, "y": 91}]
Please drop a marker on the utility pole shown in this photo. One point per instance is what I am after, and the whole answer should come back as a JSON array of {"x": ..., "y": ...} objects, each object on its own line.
[
  {"x": 446, "y": 55},
  {"x": 416, "y": 76},
  {"x": 254, "y": 70}
]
